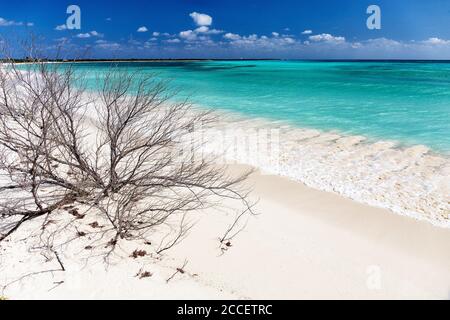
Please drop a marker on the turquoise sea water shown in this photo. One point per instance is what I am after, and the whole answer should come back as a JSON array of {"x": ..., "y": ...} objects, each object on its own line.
[{"x": 404, "y": 101}]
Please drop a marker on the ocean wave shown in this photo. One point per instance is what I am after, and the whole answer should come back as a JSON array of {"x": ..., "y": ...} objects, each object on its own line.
[{"x": 411, "y": 181}]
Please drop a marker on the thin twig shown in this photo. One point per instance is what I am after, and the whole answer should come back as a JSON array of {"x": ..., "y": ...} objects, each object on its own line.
[{"x": 178, "y": 270}]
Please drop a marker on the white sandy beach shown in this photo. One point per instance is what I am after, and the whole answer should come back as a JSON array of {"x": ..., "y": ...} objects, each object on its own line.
[{"x": 305, "y": 244}]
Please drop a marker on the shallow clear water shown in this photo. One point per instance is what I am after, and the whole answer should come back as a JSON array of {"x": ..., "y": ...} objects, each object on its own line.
[{"x": 404, "y": 101}]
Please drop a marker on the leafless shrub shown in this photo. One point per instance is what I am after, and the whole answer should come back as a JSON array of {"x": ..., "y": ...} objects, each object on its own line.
[{"x": 116, "y": 161}]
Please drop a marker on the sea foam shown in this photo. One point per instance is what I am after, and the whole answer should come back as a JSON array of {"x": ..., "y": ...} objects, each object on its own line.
[{"x": 412, "y": 181}]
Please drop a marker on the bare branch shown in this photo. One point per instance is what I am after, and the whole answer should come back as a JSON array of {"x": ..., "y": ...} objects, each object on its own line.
[{"x": 129, "y": 155}]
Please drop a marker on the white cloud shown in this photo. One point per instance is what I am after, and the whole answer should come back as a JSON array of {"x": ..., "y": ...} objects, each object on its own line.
[
  {"x": 320, "y": 46},
  {"x": 83, "y": 35},
  {"x": 381, "y": 43},
  {"x": 356, "y": 45},
  {"x": 326, "y": 37},
  {"x": 108, "y": 19},
  {"x": 206, "y": 30},
  {"x": 289, "y": 40},
  {"x": 155, "y": 34},
  {"x": 215, "y": 31},
  {"x": 173, "y": 41},
  {"x": 142, "y": 29},
  {"x": 149, "y": 45},
  {"x": 188, "y": 35},
  {"x": 202, "y": 29},
  {"x": 194, "y": 35},
  {"x": 307, "y": 32},
  {"x": 232, "y": 36},
  {"x": 96, "y": 34},
  {"x": 201, "y": 19},
  {"x": 200, "y": 34},
  {"x": 61, "y": 27},
  {"x": 254, "y": 41},
  {"x": 89, "y": 34},
  {"x": 6, "y": 23},
  {"x": 102, "y": 44},
  {"x": 9, "y": 23},
  {"x": 436, "y": 41}
]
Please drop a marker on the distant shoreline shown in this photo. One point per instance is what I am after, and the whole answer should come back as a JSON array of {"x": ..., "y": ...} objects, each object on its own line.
[{"x": 201, "y": 60}]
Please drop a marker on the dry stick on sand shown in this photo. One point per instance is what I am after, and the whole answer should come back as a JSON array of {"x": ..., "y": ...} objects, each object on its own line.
[
  {"x": 32, "y": 274},
  {"x": 179, "y": 270}
]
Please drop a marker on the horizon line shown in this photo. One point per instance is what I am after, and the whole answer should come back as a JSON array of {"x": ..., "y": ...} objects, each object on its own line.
[{"x": 218, "y": 59}]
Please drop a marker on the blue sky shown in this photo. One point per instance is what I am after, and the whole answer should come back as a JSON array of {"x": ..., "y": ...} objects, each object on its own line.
[{"x": 331, "y": 29}]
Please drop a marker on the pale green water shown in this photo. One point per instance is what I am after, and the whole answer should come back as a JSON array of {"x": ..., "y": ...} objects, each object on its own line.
[{"x": 407, "y": 102}]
